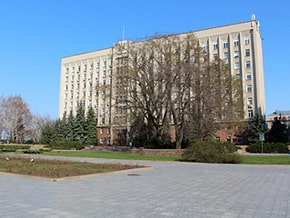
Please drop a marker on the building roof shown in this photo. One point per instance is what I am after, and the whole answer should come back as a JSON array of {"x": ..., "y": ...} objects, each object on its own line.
[{"x": 282, "y": 113}]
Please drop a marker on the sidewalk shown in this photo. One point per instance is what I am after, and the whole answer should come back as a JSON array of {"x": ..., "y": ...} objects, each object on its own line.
[{"x": 168, "y": 189}]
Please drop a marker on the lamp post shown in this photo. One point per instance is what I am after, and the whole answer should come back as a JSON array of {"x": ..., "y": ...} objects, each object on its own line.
[{"x": 262, "y": 139}]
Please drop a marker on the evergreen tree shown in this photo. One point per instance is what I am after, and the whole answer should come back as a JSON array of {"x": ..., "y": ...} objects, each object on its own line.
[
  {"x": 70, "y": 126},
  {"x": 46, "y": 134},
  {"x": 257, "y": 126},
  {"x": 91, "y": 124},
  {"x": 278, "y": 132},
  {"x": 80, "y": 125}
]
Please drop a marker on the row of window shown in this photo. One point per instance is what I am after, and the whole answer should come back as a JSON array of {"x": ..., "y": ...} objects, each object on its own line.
[
  {"x": 104, "y": 82},
  {"x": 237, "y": 65},
  {"x": 236, "y": 43},
  {"x": 97, "y": 76},
  {"x": 85, "y": 67}
]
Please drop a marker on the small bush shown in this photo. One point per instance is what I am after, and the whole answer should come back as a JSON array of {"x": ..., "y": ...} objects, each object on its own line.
[
  {"x": 32, "y": 152},
  {"x": 66, "y": 145},
  {"x": 7, "y": 150},
  {"x": 212, "y": 152},
  {"x": 14, "y": 147},
  {"x": 268, "y": 148}
]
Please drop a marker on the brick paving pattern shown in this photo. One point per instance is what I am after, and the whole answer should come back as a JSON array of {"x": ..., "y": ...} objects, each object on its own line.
[{"x": 168, "y": 189}]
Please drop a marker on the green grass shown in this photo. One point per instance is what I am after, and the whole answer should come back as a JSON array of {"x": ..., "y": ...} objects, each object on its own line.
[
  {"x": 266, "y": 159},
  {"x": 246, "y": 159},
  {"x": 110, "y": 155}
]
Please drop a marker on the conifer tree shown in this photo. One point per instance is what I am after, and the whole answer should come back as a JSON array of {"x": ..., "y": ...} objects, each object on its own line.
[
  {"x": 257, "y": 126},
  {"x": 80, "y": 125},
  {"x": 70, "y": 126},
  {"x": 91, "y": 124},
  {"x": 278, "y": 133}
]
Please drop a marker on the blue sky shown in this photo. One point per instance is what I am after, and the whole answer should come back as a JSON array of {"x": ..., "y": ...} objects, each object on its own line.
[{"x": 36, "y": 34}]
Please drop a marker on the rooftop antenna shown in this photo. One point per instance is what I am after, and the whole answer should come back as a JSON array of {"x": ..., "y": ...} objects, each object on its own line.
[{"x": 253, "y": 17}]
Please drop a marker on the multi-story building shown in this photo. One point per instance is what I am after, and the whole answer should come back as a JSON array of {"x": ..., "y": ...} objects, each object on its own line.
[{"x": 92, "y": 78}]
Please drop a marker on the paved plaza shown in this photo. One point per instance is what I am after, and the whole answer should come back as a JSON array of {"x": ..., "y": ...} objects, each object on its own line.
[{"x": 167, "y": 189}]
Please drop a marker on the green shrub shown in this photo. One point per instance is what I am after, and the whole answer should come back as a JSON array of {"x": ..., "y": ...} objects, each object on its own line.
[
  {"x": 32, "y": 152},
  {"x": 268, "y": 148},
  {"x": 14, "y": 147},
  {"x": 66, "y": 145},
  {"x": 212, "y": 152},
  {"x": 7, "y": 150}
]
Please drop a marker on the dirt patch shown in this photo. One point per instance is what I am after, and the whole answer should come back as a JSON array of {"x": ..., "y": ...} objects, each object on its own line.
[{"x": 57, "y": 168}]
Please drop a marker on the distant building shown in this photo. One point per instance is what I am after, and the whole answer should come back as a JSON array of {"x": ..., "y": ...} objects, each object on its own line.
[
  {"x": 239, "y": 45},
  {"x": 284, "y": 115}
]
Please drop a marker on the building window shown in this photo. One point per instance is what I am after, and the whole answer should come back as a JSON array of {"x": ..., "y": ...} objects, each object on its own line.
[
  {"x": 215, "y": 56},
  {"x": 247, "y": 53},
  {"x": 226, "y": 44},
  {"x": 248, "y": 64},
  {"x": 104, "y": 82},
  {"x": 236, "y": 54},
  {"x": 105, "y": 63},
  {"x": 247, "y": 41},
  {"x": 249, "y": 88},
  {"x": 250, "y": 113},
  {"x": 98, "y": 65},
  {"x": 66, "y": 79},
  {"x": 250, "y": 102},
  {"x": 236, "y": 43},
  {"x": 238, "y": 76},
  {"x": 67, "y": 70},
  {"x": 249, "y": 76},
  {"x": 205, "y": 47},
  {"x": 226, "y": 55},
  {"x": 215, "y": 45},
  {"x": 84, "y": 94},
  {"x": 237, "y": 65},
  {"x": 85, "y": 68},
  {"x": 104, "y": 74}
]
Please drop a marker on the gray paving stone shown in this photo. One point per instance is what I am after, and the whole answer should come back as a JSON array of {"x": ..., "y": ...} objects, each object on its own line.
[{"x": 168, "y": 189}]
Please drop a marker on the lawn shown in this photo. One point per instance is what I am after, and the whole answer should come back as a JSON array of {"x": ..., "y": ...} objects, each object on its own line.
[
  {"x": 266, "y": 159},
  {"x": 56, "y": 168},
  {"x": 246, "y": 159}
]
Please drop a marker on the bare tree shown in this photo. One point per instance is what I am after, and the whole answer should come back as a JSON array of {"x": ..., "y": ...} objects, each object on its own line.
[
  {"x": 15, "y": 117},
  {"x": 170, "y": 82},
  {"x": 36, "y": 126}
]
